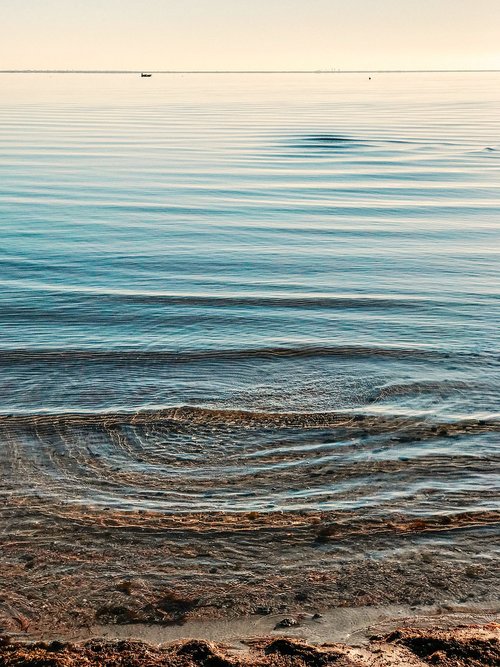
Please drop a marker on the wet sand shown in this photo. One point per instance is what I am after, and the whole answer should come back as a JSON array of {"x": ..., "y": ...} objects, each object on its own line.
[
  {"x": 353, "y": 626},
  {"x": 473, "y": 646}
]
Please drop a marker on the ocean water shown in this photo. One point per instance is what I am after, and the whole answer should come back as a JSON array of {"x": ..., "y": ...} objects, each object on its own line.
[{"x": 229, "y": 292}]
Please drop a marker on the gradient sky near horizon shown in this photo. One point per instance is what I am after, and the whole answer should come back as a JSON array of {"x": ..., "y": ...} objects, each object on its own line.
[{"x": 249, "y": 34}]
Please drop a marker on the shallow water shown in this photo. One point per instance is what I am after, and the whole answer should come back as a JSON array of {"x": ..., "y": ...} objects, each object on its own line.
[{"x": 324, "y": 246}]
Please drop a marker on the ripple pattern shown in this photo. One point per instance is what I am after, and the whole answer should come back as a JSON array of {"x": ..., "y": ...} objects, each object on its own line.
[
  {"x": 191, "y": 460},
  {"x": 309, "y": 261}
]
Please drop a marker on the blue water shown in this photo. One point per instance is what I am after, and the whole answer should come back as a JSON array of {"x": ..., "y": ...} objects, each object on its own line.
[{"x": 272, "y": 243}]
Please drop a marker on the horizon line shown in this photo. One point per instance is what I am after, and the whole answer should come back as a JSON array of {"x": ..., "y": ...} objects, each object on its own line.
[{"x": 244, "y": 71}]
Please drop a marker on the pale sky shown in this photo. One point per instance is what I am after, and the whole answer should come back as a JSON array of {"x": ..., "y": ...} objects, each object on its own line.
[{"x": 249, "y": 34}]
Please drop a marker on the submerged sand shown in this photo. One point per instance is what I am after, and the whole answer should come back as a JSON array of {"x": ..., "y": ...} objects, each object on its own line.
[
  {"x": 91, "y": 548},
  {"x": 64, "y": 568}
]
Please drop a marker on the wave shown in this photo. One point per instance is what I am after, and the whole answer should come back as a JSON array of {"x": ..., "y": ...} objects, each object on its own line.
[
  {"x": 186, "y": 356},
  {"x": 436, "y": 387},
  {"x": 329, "y": 142},
  {"x": 281, "y": 301},
  {"x": 369, "y": 424},
  {"x": 312, "y": 302},
  {"x": 329, "y": 138},
  {"x": 185, "y": 459}
]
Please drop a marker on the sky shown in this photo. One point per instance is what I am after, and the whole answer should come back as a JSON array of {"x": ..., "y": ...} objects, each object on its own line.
[{"x": 250, "y": 34}]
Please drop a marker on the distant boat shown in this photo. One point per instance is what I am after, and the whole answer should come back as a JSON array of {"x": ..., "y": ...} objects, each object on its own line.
[{"x": 145, "y": 76}]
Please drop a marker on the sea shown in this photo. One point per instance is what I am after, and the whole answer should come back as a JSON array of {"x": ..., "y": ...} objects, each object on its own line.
[{"x": 266, "y": 292}]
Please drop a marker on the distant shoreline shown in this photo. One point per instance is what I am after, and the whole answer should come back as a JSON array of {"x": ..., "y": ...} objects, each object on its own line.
[{"x": 353, "y": 71}]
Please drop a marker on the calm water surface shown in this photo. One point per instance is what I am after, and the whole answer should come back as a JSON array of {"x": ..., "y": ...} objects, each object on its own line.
[{"x": 269, "y": 243}]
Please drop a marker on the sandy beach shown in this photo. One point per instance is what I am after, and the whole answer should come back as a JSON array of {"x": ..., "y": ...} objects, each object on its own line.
[{"x": 471, "y": 646}]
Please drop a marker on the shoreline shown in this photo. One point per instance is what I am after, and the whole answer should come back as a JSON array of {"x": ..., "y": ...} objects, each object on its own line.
[
  {"x": 352, "y": 626},
  {"x": 445, "y": 644}
]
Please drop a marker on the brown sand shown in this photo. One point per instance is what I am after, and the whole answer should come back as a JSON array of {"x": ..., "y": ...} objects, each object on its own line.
[{"x": 472, "y": 646}]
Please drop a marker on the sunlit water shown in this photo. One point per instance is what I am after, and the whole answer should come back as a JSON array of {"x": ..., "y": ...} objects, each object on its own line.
[{"x": 273, "y": 243}]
